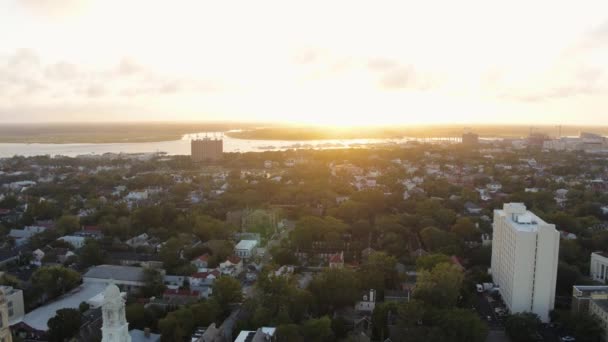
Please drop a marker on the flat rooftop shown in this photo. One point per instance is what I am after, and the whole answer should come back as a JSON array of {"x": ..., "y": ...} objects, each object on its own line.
[
  {"x": 38, "y": 318},
  {"x": 520, "y": 218},
  {"x": 246, "y": 244},
  {"x": 602, "y": 303},
  {"x": 587, "y": 290},
  {"x": 115, "y": 272}
]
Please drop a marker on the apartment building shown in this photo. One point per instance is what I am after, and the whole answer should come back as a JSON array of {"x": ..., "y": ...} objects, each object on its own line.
[{"x": 524, "y": 260}]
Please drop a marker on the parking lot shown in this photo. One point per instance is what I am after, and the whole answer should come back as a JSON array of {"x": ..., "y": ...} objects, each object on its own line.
[{"x": 493, "y": 311}]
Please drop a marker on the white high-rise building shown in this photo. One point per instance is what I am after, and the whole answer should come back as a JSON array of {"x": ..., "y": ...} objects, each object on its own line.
[
  {"x": 524, "y": 260},
  {"x": 115, "y": 327}
]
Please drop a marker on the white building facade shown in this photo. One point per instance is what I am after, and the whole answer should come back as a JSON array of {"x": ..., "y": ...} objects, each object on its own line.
[
  {"x": 599, "y": 266},
  {"x": 245, "y": 249},
  {"x": 524, "y": 260},
  {"x": 5, "y": 330}
]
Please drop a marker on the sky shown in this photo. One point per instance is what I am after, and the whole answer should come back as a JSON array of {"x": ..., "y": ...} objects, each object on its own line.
[{"x": 316, "y": 62}]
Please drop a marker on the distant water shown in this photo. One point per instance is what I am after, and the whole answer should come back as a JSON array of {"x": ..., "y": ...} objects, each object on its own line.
[{"x": 182, "y": 146}]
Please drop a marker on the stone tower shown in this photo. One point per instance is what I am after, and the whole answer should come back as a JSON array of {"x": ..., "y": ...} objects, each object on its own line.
[
  {"x": 5, "y": 331},
  {"x": 115, "y": 327}
]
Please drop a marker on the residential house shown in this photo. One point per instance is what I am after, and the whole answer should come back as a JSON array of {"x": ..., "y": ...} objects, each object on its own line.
[
  {"x": 37, "y": 257},
  {"x": 561, "y": 197},
  {"x": 336, "y": 260},
  {"x": 367, "y": 302},
  {"x": 245, "y": 249},
  {"x": 22, "y": 236},
  {"x": 75, "y": 241},
  {"x": 201, "y": 261},
  {"x": 233, "y": 266},
  {"x": 139, "y": 240},
  {"x": 146, "y": 260},
  {"x": 472, "y": 208}
]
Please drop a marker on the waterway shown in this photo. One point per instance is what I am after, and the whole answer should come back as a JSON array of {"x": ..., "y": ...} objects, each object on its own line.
[{"x": 182, "y": 146}]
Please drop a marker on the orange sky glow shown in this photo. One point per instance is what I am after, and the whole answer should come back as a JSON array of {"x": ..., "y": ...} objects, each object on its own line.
[{"x": 340, "y": 63}]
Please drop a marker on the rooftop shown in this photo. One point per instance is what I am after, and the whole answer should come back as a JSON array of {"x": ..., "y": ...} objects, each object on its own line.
[
  {"x": 38, "y": 318},
  {"x": 602, "y": 303},
  {"x": 602, "y": 254},
  {"x": 140, "y": 336},
  {"x": 521, "y": 218},
  {"x": 587, "y": 290},
  {"x": 246, "y": 244},
  {"x": 120, "y": 273}
]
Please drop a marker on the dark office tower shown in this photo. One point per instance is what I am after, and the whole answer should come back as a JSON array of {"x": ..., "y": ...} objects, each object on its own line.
[
  {"x": 206, "y": 149},
  {"x": 470, "y": 139}
]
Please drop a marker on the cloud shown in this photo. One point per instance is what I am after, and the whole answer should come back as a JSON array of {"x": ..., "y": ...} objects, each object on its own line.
[
  {"x": 584, "y": 81},
  {"x": 55, "y": 9},
  {"x": 395, "y": 76},
  {"x": 381, "y": 64},
  {"x": 25, "y": 77}
]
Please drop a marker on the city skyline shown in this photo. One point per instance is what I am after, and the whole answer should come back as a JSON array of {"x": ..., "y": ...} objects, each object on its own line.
[{"x": 320, "y": 63}]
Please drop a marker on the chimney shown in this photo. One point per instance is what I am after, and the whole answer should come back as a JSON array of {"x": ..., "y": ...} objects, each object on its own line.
[{"x": 147, "y": 332}]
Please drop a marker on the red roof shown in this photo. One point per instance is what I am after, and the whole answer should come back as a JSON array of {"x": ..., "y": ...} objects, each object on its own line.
[
  {"x": 337, "y": 258},
  {"x": 234, "y": 259},
  {"x": 204, "y": 257},
  {"x": 91, "y": 228}
]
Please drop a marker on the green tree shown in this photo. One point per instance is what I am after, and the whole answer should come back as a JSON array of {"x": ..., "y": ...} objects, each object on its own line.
[
  {"x": 55, "y": 280},
  {"x": 429, "y": 261},
  {"x": 154, "y": 283},
  {"x": 463, "y": 325},
  {"x": 170, "y": 254},
  {"x": 227, "y": 290},
  {"x": 64, "y": 325},
  {"x": 67, "y": 224},
  {"x": 289, "y": 333},
  {"x": 91, "y": 253},
  {"x": 439, "y": 287},
  {"x": 83, "y": 307},
  {"x": 378, "y": 271},
  {"x": 522, "y": 327},
  {"x": 136, "y": 315},
  {"x": 438, "y": 240},
  {"x": 465, "y": 228},
  {"x": 334, "y": 289},
  {"x": 317, "y": 330}
]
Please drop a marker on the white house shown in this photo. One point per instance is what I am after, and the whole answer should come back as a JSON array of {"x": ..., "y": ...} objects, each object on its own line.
[
  {"x": 599, "y": 266},
  {"x": 76, "y": 241},
  {"x": 201, "y": 261},
  {"x": 367, "y": 302},
  {"x": 139, "y": 240},
  {"x": 245, "y": 248},
  {"x": 233, "y": 266},
  {"x": 137, "y": 195}
]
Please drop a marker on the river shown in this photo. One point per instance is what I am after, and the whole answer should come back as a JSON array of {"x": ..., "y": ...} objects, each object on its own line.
[{"x": 182, "y": 146}]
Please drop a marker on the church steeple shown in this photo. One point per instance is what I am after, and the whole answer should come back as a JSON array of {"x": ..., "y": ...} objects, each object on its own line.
[
  {"x": 115, "y": 327},
  {"x": 5, "y": 331}
]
